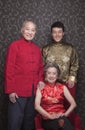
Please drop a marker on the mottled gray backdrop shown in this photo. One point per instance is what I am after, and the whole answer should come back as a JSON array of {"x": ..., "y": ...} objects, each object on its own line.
[{"x": 43, "y": 13}]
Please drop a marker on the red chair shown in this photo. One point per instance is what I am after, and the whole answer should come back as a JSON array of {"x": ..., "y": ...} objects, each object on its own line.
[{"x": 38, "y": 125}]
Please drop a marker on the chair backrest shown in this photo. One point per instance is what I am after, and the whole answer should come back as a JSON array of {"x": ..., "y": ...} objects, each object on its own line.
[{"x": 38, "y": 122}]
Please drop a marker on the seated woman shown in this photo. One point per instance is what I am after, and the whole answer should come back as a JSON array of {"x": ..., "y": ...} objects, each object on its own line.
[{"x": 49, "y": 101}]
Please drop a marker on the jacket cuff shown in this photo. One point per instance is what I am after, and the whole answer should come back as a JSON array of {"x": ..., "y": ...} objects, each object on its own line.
[{"x": 72, "y": 78}]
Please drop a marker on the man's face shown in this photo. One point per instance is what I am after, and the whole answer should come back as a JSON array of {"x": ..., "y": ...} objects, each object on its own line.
[
  {"x": 57, "y": 34},
  {"x": 28, "y": 31}
]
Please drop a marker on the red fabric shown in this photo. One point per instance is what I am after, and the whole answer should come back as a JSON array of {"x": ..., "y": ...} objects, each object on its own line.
[
  {"x": 75, "y": 120},
  {"x": 38, "y": 125},
  {"x": 52, "y": 98},
  {"x": 73, "y": 117},
  {"x": 24, "y": 67}
]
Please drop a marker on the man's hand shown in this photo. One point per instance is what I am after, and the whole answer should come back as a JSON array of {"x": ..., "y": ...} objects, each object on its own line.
[
  {"x": 41, "y": 85},
  {"x": 12, "y": 97},
  {"x": 70, "y": 83}
]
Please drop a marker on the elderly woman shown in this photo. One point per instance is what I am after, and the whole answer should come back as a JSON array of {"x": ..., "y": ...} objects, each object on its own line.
[{"x": 49, "y": 101}]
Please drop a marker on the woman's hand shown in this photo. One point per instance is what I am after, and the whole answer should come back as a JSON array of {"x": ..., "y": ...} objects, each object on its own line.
[
  {"x": 56, "y": 115},
  {"x": 53, "y": 116},
  {"x": 60, "y": 115}
]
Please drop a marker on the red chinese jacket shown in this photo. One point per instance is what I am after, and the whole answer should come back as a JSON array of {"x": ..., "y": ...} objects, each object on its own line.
[{"x": 24, "y": 67}]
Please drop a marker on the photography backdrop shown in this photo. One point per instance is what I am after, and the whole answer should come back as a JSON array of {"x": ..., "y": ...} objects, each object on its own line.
[{"x": 43, "y": 13}]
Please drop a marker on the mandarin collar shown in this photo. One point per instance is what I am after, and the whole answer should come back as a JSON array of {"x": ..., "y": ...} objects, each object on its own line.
[
  {"x": 27, "y": 42},
  {"x": 51, "y": 85}
]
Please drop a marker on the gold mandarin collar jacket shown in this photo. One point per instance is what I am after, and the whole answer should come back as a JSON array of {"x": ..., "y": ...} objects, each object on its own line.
[{"x": 65, "y": 56}]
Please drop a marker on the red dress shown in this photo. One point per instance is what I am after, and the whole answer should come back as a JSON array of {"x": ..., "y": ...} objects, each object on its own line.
[{"x": 53, "y": 98}]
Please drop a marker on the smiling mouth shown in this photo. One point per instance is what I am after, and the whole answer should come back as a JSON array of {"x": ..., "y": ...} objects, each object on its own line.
[
  {"x": 28, "y": 35},
  {"x": 51, "y": 79}
]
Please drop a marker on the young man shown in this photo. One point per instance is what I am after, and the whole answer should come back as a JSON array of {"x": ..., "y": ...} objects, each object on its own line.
[
  {"x": 23, "y": 72},
  {"x": 66, "y": 57}
]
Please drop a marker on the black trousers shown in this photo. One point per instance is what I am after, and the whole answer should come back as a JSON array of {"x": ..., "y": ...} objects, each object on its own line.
[
  {"x": 21, "y": 114},
  {"x": 53, "y": 124}
]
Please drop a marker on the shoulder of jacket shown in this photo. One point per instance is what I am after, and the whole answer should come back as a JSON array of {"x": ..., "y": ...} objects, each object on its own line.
[
  {"x": 46, "y": 47},
  {"x": 68, "y": 45},
  {"x": 14, "y": 43},
  {"x": 36, "y": 47}
]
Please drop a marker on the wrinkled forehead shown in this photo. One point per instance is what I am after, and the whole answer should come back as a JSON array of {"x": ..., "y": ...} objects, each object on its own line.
[
  {"x": 51, "y": 69},
  {"x": 29, "y": 24}
]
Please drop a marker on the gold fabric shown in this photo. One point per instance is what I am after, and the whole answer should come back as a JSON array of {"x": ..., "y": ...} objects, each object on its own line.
[{"x": 65, "y": 56}]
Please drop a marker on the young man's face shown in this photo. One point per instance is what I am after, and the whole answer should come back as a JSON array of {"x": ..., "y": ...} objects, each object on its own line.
[
  {"x": 28, "y": 31},
  {"x": 57, "y": 34}
]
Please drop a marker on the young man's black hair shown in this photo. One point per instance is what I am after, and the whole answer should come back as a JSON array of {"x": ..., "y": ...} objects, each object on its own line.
[{"x": 59, "y": 25}]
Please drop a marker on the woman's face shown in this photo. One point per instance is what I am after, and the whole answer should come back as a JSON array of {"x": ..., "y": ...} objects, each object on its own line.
[
  {"x": 57, "y": 34},
  {"x": 51, "y": 75}
]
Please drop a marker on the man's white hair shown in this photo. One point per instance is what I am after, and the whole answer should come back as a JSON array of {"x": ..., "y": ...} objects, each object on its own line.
[{"x": 27, "y": 21}]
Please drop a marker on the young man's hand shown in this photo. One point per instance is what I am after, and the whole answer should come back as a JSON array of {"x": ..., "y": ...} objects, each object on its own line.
[{"x": 70, "y": 83}]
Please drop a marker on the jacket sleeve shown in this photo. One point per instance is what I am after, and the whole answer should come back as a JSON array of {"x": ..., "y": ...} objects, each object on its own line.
[
  {"x": 9, "y": 69},
  {"x": 44, "y": 54},
  {"x": 74, "y": 65},
  {"x": 41, "y": 69}
]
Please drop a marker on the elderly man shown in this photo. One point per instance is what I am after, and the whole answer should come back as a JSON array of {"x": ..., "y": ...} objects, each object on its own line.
[{"x": 23, "y": 72}]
